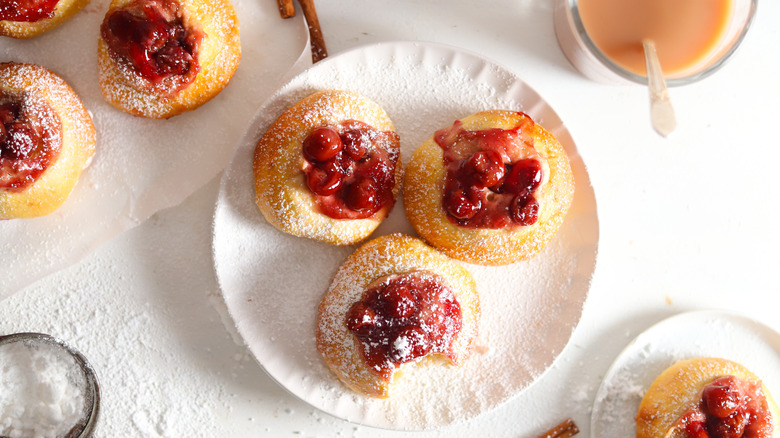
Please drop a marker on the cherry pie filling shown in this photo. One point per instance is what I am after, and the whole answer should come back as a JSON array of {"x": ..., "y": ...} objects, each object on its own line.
[
  {"x": 404, "y": 318},
  {"x": 27, "y": 10},
  {"x": 350, "y": 169},
  {"x": 491, "y": 177},
  {"x": 151, "y": 37},
  {"x": 729, "y": 408},
  {"x": 29, "y": 142}
]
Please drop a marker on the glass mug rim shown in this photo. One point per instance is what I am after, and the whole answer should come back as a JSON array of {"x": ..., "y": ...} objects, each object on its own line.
[{"x": 582, "y": 34}]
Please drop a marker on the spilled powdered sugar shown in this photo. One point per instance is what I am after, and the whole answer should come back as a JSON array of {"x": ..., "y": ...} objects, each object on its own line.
[{"x": 528, "y": 309}]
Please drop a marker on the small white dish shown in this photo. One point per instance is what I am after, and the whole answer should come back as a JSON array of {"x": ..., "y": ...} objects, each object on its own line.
[{"x": 684, "y": 336}]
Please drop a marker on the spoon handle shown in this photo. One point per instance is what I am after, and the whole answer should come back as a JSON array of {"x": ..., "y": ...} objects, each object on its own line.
[{"x": 661, "y": 110}]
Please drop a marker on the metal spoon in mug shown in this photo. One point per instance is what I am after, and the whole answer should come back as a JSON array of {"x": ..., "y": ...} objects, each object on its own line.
[{"x": 661, "y": 110}]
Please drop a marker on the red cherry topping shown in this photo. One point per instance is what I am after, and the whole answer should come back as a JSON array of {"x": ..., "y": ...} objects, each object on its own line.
[
  {"x": 730, "y": 408},
  {"x": 410, "y": 343},
  {"x": 732, "y": 426},
  {"x": 27, "y": 10},
  {"x": 490, "y": 181},
  {"x": 524, "y": 210},
  {"x": 325, "y": 180},
  {"x": 355, "y": 144},
  {"x": 696, "y": 430},
  {"x": 361, "y": 318},
  {"x": 8, "y": 113},
  {"x": 524, "y": 177},
  {"x": 173, "y": 59},
  {"x": 366, "y": 161},
  {"x": 721, "y": 398},
  {"x": 399, "y": 300},
  {"x": 404, "y": 318},
  {"x": 486, "y": 168},
  {"x": 322, "y": 144},
  {"x": 362, "y": 195},
  {"x": 28, "y": 143},
  {"x": 21, "y": 140},
  {"x": 462, "y": 206},
  {"x": 150, "y": 37}
]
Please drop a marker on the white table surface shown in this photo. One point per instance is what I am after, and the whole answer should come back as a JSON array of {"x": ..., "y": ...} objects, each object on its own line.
[{"x": 686, "y": 223}]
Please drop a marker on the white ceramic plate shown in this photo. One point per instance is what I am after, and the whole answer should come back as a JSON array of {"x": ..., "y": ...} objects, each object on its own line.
[
  {"x": 272, "y": 282},
  {"x": 684, "y": 336}
]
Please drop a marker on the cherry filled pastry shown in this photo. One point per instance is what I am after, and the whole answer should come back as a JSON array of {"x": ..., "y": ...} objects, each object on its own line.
[
  {"x": 159, "y": 58},
  {"x": 328, "y": 168},
  {"x": 29, "y": 18},
  {"x": 491, "y": 189},
  {"x": 394, "y": 303},
  {"x": 707, "y": 398},
  {"x": 46, "y": 140}
]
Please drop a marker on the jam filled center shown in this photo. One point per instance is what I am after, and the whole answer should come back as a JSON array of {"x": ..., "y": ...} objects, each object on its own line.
[
  {"x": 151, "y": 37},
  {"x": 350, "y": 169},
  {"x": 730, "y": 408},
  {"x": 404, "y": 318},
  {"x": 491, "y": 177},
  {"x": 29, "y": 142},
  {"x": 27, "y": 10}
]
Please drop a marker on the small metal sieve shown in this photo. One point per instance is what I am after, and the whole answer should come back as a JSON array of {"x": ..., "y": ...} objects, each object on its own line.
[{"x": 86, "y": 425}]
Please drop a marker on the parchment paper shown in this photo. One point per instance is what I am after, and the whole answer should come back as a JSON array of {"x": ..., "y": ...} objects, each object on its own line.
[{"x": 141, "y": 166}]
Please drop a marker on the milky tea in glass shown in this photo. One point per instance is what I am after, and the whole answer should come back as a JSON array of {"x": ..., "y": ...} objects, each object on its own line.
[{"x": 691, "y": 36}]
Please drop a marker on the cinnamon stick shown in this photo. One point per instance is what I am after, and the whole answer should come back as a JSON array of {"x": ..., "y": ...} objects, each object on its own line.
[
  {"x": 567, "y": 429},
  {"x": 286, "y": 8},
  {"x": 318, "y": 50}
]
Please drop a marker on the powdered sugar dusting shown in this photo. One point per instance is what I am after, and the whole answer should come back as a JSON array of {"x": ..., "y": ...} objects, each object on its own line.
[{"x": 528, "y": 309}]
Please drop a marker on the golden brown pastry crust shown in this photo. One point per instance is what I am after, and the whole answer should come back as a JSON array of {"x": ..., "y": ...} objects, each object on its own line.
[
  {"x": 378, "y": 258},
  {"x": 281, "y": 191},
  {"x": 679, "y": 388},
  {"x": 54, "y": 185},
  {"x": 19, "y": 29},
  {"x": 218, "y": 55},
  {"x": 424, "y": 183}
]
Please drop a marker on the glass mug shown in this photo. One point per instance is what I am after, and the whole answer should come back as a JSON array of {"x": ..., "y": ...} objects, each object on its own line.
[{"x": 572, "y": 17}]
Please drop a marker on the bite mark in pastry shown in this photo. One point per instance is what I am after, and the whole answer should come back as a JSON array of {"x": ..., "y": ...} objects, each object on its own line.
[
  {"x": 328, "y": 168},
  {"x": 29, "y": 18},
  {"x": 707, "y": 398},
  {"x": 491, "y": 189},
  {"x": 46, "y": 140},
  {"x": 396, "y": 302},
  {"x": 159, "y": 58}
]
